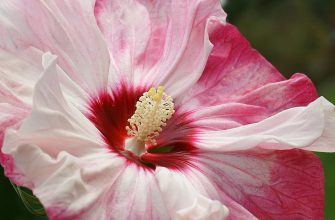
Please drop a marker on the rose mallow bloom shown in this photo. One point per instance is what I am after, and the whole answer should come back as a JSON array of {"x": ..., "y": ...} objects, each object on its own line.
[{"x": 142, "y": 109}]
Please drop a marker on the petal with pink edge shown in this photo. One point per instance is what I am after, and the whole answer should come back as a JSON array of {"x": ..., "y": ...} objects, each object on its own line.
[
  {"x": 278, "y": 96},
  {"x": 249, "y": 108},
  {"x": 66, "y": 28},
  {"x": 151, "y": 42},
  {"x": 11, "y": 117},
  {"x": 15, "y": 98},
  {"x": 225, "y": 116},
  {"x": 310, "y": 128},
  {"x": 233, "y": 69},
  {"x": 254, "y": 106},
  {"x": 270, "y": 184}
]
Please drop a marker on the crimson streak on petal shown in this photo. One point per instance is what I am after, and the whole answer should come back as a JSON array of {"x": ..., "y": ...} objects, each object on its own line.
[{"x": 110, "y": 112}]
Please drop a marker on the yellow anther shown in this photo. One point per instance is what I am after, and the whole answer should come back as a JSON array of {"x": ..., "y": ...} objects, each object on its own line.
[
  {"x": 153, "y": 109},
  {"x": 160, "y": 89},
  {"x": 160, "y": 94},
  {"x": 152, "y": 92},
  {"x": 157, "y": 98}
]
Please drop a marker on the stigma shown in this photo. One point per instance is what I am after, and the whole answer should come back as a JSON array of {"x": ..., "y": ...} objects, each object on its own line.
[{"x": 153, "y": 109}]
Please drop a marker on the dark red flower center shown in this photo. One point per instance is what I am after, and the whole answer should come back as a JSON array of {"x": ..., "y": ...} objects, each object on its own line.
[{"x": 110, "y": 113}]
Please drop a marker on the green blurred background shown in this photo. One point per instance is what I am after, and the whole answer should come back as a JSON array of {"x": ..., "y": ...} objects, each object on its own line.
[{"x": 295, "y": 36}]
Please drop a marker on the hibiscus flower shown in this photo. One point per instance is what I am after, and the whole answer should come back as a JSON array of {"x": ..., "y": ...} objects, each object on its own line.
[{"x": 141, "y": 109}]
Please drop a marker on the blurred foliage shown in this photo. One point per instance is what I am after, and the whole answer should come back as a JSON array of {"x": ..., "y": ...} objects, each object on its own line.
[{"x": 294, "y": 35}]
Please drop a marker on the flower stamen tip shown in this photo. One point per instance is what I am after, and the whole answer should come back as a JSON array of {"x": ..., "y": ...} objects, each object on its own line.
[{"x": 153, "y": 109}]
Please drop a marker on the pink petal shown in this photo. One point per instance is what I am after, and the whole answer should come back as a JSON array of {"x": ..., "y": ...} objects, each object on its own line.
[
  {"x": 184, "y": 126},
  {"x": 238, "y": 87},
  {"x": 278, "y": 96},
  {"x": 256, "y": 105},
  {"x": 226, "y": 116},
  {"x": 17, "y": 79},
  {"x": 270, "y": 184},
  {"x": 183, "y": 201},
  {"x": 309, "y": 128},
  {"x": 66, "y": 28},
  {"x": 11, "y": 117},
  {"x": 233, "y": 69},
  {"x": 151, "y": 42},
  {"x": 252, "y": 107}
]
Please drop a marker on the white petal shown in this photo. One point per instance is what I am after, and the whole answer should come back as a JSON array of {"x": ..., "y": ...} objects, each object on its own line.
[
  {"x": 19, "y": 72},
  {"x": 54, "y": 119},
  {"x": 183, "y": 201},
  {"x": 309, "y": 128},
  {"x": 62, "y": 158}
]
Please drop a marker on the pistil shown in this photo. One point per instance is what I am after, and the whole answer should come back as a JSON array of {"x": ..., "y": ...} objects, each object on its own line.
[{"x": 153, "y": 109}]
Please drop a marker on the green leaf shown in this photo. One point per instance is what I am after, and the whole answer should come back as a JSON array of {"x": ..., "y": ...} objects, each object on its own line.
[{"x": 30, "y": 201}]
